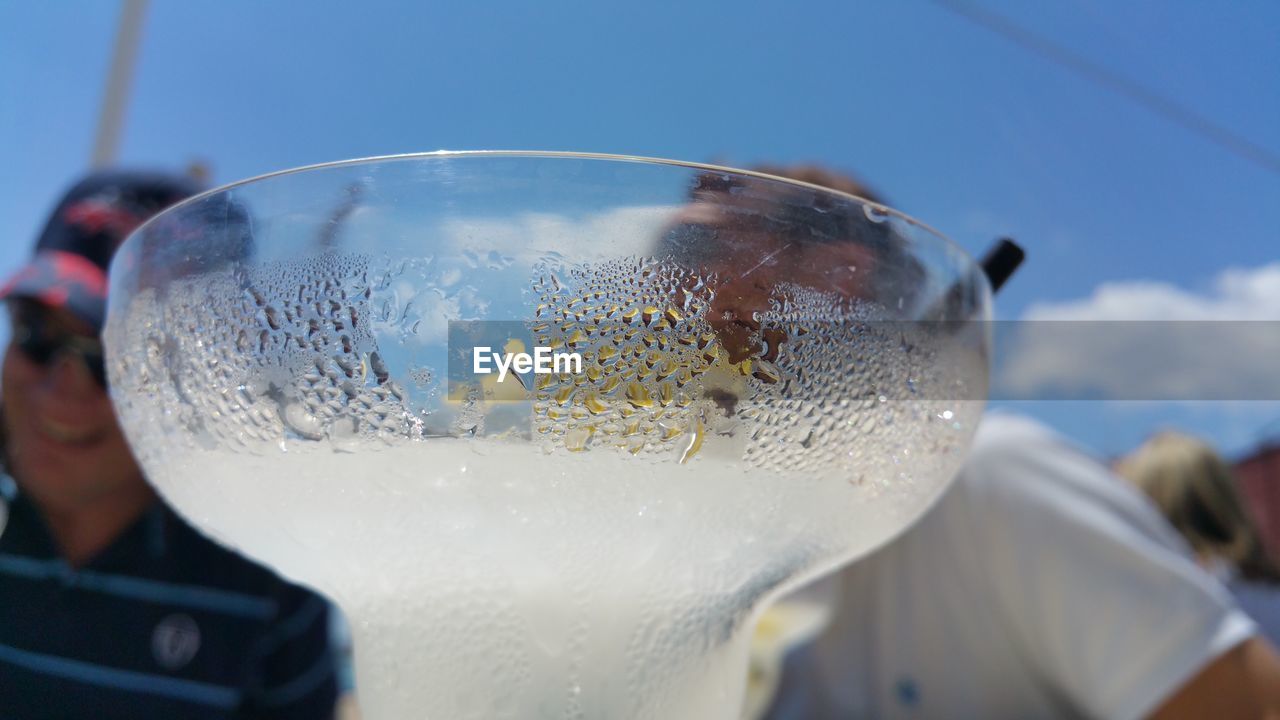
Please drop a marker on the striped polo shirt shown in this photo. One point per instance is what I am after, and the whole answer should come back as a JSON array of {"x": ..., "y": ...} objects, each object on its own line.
[{"x": 164, "y": 623}]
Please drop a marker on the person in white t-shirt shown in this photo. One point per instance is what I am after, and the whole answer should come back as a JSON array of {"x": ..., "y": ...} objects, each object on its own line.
[{"x": 1039, "y": 586}]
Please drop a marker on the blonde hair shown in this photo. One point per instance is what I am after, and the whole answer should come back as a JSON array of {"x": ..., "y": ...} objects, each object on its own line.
[{"x": 1196, "y": 490}]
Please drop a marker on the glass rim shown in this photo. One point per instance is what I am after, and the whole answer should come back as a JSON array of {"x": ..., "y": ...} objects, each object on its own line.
[{"x": 560, "y": 155}]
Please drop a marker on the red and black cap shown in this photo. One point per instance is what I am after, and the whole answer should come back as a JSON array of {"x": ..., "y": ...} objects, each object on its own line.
[{"x": 69, "y": 268}]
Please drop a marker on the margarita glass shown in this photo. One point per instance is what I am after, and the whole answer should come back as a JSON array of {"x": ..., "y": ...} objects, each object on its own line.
[{"x": 774, "y": 379}]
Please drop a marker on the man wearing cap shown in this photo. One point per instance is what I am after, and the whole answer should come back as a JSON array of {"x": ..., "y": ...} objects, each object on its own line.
[{"x": 112, "y": 606}]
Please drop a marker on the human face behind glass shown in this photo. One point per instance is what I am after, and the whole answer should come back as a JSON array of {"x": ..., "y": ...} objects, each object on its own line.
[
  {"x": 756, "y": 237},
  {"x": 63, "y": 444}
]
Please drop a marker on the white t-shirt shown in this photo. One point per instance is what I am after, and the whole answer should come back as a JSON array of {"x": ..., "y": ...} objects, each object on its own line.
[
  {"x": 7, "y": 490},
  {"x": 1039, "y": 586},
  {"x": 1260, "y": 601}
]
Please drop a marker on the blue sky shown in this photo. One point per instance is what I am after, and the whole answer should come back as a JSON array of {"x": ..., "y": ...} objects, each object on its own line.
[{"x": 952, "y": 123}]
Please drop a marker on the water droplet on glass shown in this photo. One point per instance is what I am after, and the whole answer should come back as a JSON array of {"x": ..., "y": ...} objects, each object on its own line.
[{"x": 875, "y": 213}]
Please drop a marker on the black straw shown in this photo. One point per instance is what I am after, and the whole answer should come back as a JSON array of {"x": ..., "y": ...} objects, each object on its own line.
[{"x": 1001, "y": 261}]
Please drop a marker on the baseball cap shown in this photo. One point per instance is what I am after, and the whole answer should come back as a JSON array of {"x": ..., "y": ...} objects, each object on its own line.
[{"x": 69, "y": 267}]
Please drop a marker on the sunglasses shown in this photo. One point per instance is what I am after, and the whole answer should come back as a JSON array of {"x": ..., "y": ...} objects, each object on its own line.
[{"x": 43, "y": 342}]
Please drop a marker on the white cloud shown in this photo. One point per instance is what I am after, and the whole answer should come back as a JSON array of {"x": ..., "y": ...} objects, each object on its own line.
[
  {"x": 1236, "y": 294},
  {"x": 482, "y": 267},
  {"x": 609, "y": 234},
  {"x": 1142, "y": 340}
]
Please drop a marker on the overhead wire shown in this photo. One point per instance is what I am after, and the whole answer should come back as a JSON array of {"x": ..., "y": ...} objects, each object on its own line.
[{"x": 1190, "y": 119}]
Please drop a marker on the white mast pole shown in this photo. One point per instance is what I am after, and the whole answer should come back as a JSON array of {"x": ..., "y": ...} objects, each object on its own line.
[{"x": 119, "y": 80}]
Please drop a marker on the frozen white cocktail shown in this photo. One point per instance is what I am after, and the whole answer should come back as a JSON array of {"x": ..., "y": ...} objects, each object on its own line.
[{"x": 338, "y": 371}]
